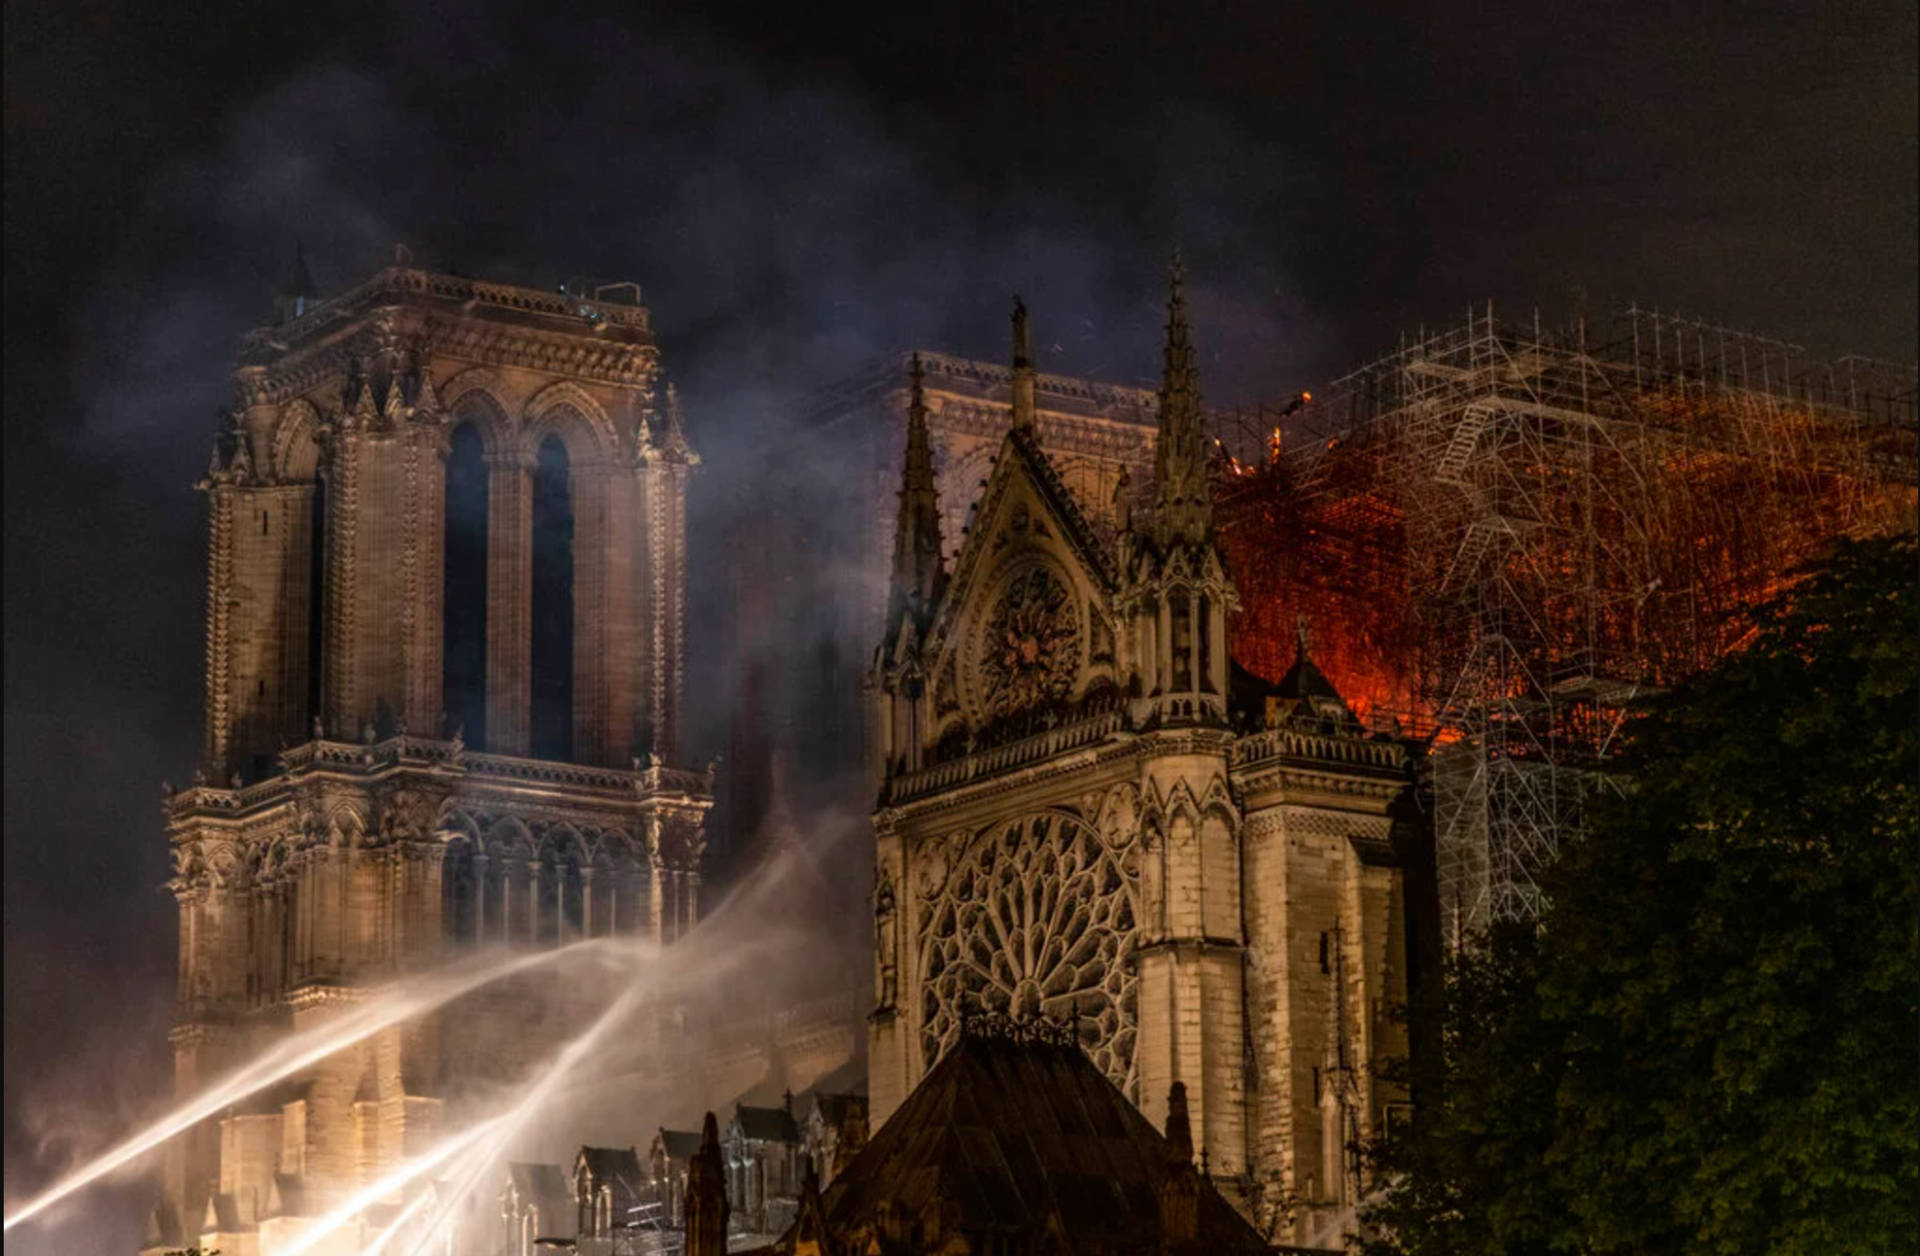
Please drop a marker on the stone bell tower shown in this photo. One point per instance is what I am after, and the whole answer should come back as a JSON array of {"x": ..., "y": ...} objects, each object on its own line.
[{"x": 444, "y": 680}]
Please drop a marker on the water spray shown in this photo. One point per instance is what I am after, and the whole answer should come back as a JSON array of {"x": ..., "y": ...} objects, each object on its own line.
[
  {"x": 378, "y": 1190},
  {"x": 309, "y": 1047},
  {"x": 501, "y": 1130}
]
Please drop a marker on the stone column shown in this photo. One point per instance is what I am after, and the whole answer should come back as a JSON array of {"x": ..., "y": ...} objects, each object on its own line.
[
  {"x": 656, "y": 900},
  {"x": 593, "y": 738},
  {"x": 424, "y": 556},
  {"x": 218, "y": 632},
  {"x": 430, "y": 932},
  {"x": 509, "y": 605},
  {"x": 1163, "y": 650}
]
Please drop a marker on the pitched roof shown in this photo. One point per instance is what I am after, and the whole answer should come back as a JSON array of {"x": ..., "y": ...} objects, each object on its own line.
[
  {"x": 615, "y": 1167},
  {"x": 1305, "y": 680},
  {"x": 679, "y": 1145},
  {"x": 545, "y": 1188},
  {"x": 1015, "y": 1133},
  {"x": 1022, "y": 455},
  {"x": 766, "y": 1125}
]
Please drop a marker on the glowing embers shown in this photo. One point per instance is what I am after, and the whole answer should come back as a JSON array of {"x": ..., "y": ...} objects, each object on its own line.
[{"x": 1035, "y": 915}]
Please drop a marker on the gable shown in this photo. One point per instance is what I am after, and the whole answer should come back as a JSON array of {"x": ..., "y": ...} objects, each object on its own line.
[{"x": 1027, "y": 619}]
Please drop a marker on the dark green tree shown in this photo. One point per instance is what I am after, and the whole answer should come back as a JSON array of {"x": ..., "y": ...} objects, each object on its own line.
[{"x": 1711, "y": 1043}]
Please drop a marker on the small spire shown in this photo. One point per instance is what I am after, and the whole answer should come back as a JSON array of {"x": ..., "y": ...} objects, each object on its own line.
[
  {"x": 1300, "y": 634},
  {"x": 674, "y": 437},
  {"x": 1183, "y": 503},
  {"x": 1023, "y": 378},
  {"x": 917, "y": 559},
  {"x": 1179, "y": 1130},
  {"x": 706, "y": 1200},
  {"x": 297, "y": 292}
]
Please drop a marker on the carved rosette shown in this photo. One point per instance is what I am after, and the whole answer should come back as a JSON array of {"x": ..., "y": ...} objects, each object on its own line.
[
  {"x": 1028, "y": 652},
  {"x": 1034, "y": 916}
]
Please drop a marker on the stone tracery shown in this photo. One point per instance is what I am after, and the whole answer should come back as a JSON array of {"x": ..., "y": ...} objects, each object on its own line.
[
  {"x": 1028, "y": 653},
  {"x": 1032, "y": 916}
]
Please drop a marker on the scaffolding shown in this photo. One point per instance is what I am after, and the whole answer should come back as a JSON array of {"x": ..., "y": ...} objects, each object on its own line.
[{"x": 1502, "y": 536}]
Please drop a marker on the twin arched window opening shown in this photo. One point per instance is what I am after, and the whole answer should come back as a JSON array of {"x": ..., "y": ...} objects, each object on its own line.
[{"x": 467, "y": 547}]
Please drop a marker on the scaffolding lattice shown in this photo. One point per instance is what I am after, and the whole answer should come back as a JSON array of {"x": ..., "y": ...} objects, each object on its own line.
[{"x": 1507, "y": 535}]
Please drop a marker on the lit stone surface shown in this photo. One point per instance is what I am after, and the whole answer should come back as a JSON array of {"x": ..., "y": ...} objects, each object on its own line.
[{"x": 1201, "y": 879}]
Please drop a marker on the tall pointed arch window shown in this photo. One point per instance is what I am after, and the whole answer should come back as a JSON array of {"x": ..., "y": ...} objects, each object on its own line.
[
  {"x": 464, "y": 643},
  {"x": 552, "y": 643}
]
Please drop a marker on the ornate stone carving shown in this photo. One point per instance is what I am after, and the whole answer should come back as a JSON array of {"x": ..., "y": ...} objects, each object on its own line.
[
  {"x": 1029, "y": 649},
  {"x": 1035, "y": 916}
]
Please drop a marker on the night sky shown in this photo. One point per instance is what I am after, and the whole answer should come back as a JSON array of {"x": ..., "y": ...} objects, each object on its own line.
[{"x": 798, "y": 194}]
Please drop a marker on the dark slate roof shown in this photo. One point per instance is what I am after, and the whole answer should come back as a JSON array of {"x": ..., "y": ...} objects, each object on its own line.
[
  {"x": 1011, "y": 1132},
  {"x": 1304, "y": 680},
  {"x": 545, "y": 1187},
  {"x": 766, "y": 1125},
  {"x": 679, "y": 1144},
  {"x": 615, "y": 1167}
]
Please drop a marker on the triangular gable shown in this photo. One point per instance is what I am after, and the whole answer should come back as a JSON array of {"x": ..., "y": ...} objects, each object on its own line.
[
  {"x": 1023, "y": 475},
  {"x": 1022, "y": 465}
]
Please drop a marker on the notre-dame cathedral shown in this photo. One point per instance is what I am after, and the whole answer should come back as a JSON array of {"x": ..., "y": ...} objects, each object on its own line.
[
  {"x": 444, "y": 678},
  {"x": 1088, "y": 812},
  {"x": 444, "y": 683}
]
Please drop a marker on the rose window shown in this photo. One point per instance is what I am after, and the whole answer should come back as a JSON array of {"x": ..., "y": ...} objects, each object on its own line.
[{"x": 1031, "y": 917}]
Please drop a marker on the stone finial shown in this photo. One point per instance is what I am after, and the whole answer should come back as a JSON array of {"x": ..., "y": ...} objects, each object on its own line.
[
  {"x": 1179, "y": 1188},
  {"x": 1023, "y": 376},
  {"x": 1179, "y": 1130}
]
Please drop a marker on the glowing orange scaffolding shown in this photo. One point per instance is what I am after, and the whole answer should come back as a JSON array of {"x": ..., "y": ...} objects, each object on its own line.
[{"x": 1501, "y": 535}]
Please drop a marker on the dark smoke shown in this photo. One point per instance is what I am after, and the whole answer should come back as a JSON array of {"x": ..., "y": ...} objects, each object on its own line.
[{"x": 1334, "y": 181}]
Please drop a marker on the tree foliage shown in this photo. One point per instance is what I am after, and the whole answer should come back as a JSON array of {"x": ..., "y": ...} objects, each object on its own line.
[{"x": 1711, "y": 1043}]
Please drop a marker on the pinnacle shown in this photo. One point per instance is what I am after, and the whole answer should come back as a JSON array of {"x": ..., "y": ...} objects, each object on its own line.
[
  {"x": 1023, "y": 379},
  {"x": 1183, "y": 502}
]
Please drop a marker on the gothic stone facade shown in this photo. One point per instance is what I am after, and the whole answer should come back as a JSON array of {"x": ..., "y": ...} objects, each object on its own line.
[
  {"x": 443, "y": 690},
  {"x": 1086, "y": 812},
  {"x": 830, "y": 576}
]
